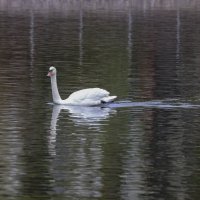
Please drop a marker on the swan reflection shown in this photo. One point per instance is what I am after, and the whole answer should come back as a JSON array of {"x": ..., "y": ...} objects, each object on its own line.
[{"x": 91, "y": 117}]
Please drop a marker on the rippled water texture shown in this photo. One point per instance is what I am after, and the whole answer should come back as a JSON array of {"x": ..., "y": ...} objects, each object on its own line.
[{"x": 144, "y": 146}]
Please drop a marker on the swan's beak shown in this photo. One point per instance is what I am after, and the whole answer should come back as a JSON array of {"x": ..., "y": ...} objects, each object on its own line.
[{"x": 49, "y": 74}]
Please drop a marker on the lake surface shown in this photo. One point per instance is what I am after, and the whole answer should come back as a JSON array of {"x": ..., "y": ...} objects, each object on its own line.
[{"x": 144, "y": 146}]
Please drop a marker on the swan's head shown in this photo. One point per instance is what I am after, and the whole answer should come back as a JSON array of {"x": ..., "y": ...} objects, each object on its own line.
[{"x": 52, "y": 71}]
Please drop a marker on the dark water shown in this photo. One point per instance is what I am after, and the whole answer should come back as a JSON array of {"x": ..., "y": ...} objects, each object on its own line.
[{"x": 144, "y": 146}]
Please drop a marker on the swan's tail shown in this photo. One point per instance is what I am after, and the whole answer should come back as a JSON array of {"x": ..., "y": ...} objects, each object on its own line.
[{"x": 108, "y": 99}]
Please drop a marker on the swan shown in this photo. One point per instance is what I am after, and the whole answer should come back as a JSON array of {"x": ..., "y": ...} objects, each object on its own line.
[{"x": 84, "y": 97}]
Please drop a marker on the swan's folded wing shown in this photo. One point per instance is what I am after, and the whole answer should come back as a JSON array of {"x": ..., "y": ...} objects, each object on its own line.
[{"x": 91, "y": 93}]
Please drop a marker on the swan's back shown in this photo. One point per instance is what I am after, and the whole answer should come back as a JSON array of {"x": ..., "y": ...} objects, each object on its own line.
[
  {"x": 89, "y": 97},
  {"x": 89, "y": 94}
]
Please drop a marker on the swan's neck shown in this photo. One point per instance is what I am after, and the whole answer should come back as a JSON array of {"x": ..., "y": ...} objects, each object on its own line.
[{"x": 55, "y": 93}]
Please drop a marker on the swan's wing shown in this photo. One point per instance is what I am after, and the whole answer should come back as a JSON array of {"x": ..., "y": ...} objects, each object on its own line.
[{"x": 90, "y": 94}]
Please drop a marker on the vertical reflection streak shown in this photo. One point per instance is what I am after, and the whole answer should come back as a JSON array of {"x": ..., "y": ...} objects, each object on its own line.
[
  {"x": 130, "y": 43},
  {"x": 178, "y": 23},
  {"x": 81, "y": 34},
  {"x": 32, "y": 43}
]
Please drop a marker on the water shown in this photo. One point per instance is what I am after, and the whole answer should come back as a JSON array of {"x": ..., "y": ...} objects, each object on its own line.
[{"x": 144, "y": 146}]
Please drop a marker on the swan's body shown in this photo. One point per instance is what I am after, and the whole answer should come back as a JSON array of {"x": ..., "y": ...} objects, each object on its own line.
[{"x": 84, "y": 97}]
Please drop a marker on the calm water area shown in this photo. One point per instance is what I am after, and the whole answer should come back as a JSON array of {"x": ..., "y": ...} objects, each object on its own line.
[{"x": 144, "y": 146}]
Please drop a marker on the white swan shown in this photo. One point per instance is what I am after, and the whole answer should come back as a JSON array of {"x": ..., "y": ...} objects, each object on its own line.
[{"x": 84, "y": 97}]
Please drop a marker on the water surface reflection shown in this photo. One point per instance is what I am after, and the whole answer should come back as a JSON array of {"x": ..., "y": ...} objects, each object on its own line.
[
  {"x": 78, "y": 153},
  {"x": 147, "y": 148},
  {"x": 89, "y": 117}
]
